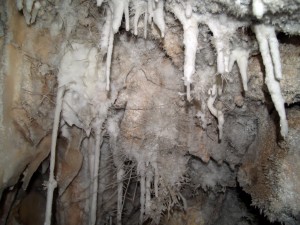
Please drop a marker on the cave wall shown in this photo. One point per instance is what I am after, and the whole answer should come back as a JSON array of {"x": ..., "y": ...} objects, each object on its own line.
[{"x": 161, "y": 148}]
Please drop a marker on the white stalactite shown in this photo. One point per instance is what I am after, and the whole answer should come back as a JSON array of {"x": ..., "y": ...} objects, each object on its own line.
[
  {"x": 241, "y": 57},
  {"x": 216, "y": 113},
  {"x": 146, "y": 23},
  {"x": 223, "y": 28},
  {"x": 258, "y": 8},
  {"x": 108, "y": 59},
  {"x": 143, "y": 194},
  {"x": 117, "y": 7},
  {"x": 126, "y": 13},
  {"x": 28, "y": 5},
  {"x": 52, "y": 183},
  {"x": 188, "y": 10},
  {"x": 156, "y": 178},
  {"x": 113, "y": 129},
  {"x": 27, "y": 16},
  {"x": 275, "y": 54},
  {"x": 110, "y": 14},
  {"x": 149, "y": 178},
  {"x": 19, "y": 4},
  {"x": 139, "y": 9},
  {"x": 158, "y": 17},
  {"x": 106, "y": 30},
  {"x": 93, "y": 213},
  {"x": 190, "y": 40},
  {"x": 150, "y": 11},
  {"x": 35, "y": 10},
  {"x": 265, "y": 36},
  {"x": 120, "y": 175}
]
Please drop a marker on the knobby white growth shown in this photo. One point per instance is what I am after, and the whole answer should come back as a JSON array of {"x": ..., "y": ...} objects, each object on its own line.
[
  {"x": 52, "y": 183},
  {"x": 217, "y": 113},
  {"x": 241, "y": 56},
  {"x": 190, "y": 40},
  {"x": 258, "y": 8},
  {"x": 265, "y": 35}
]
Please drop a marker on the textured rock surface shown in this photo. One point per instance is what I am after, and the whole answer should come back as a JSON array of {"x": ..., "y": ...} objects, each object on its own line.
[{"x": 162, "y": 149}]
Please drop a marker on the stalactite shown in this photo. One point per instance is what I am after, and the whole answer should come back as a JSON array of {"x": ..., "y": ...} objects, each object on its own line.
[
  {"x": 150, "y": 11},
  {"x": 190, "y": 36},
  {"x": 275, "y": 54},
  {"x": 117, "y": 8},
  {"x": 145, "y": 24},
  {"x": 93, "y": 212},
  {"x": 188, "y": 10},
  {"x": 109, "y": 53},
  {"x": 143, "y": 193},
  {"x": 35, "y": 10},
  {"x": 27, "y": 16},
  {"x": 120, "y": 176},
  {"x": 241, "y": 57},
  {"x": 139, "y": 9},
  {"x": 108, "y": 60},
  {"x": 149, "y": 178},
  {"x": 223, "y": 29},
  {"x": 258, "y": 8},
  {"x": 266, "y": 36},
  {"x": 215, "y": 112},
  {"x": 106, "y": 30},
  {"x": 158, "y": 17},
  {"x": 19, "y": 4},
  {"x": 28, "y": 5},
  {"x": 126, "y": 13},
  {"x": 156, "y": 178},
  {"x": 52, "y": 183}
]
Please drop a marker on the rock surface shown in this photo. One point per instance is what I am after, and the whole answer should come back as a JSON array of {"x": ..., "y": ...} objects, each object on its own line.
[{"x": 161, "y": 158}]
